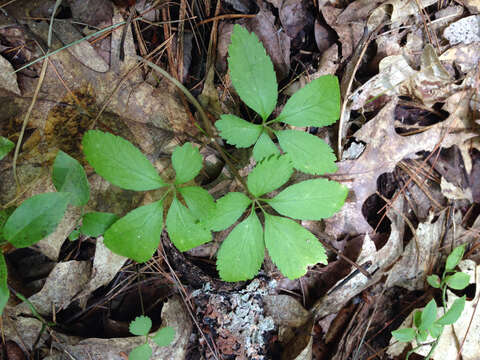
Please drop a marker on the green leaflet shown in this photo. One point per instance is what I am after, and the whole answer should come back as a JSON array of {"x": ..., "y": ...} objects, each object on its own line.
[
  {"x": 429, "y": 315},
  {"x": 309, "y": 153},
  {"x": 199, "y": 201},
  {"x": 454, "y": 258},
  {"x": 264, "y": 147},
  {"x": 5, "y": 146},
  {"x": 434, "y": 281},
  {"x": 164, "y": 336},
  {"x": 119, "y": 162},
  {"x": 187, "y": 163},
  {"x": 454, "y": 313},
  {"x": 185, "y": 231},
  {"x": 269, "y": 174},
  {"x": 404, "y": 335},
  {"x": 237, "y": 131},
  {"x": 4, "y": 292},
  {"x": 316, "y": 104},
  {"x": 251, "y": 72},
  {"x": 141, "y": 325},
  {"x": 95, "y": 224},
  {"x": 242, "y": 252},
  {"x": 35, "y": 219},
  {"x": 142, "y": 352},
  {"x": 291, "y": 246},
  {"x": 314, "y": 199},
  {"x": 228, "y": 210},
  {"x": 137, "y": 234},
  {"x": 458, "y": 281},
  {"x": 69, "y": 177}
]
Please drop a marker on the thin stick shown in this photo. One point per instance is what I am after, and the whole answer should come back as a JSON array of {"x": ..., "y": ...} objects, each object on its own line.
[{"x": 25, "y": 122}]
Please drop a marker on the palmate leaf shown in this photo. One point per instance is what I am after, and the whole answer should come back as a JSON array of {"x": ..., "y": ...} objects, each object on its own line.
[
  {"x": 185, "y": 231},
  {"x": 4, "y": 292},
  {"x": 187, "y": 163},
  {"x": 292, "y": 247},
  {"x": 137, "y": 234},
  {"x": 316, "y": 104},
  {"x": 199, "y": 201},
  {"x": 140, "y": 326},
  {"x": 237, "y": 131},
  {"x": 228, "y": 210},
  {"x": 119, "y": 162},
  {"x": 309, "y": 153},
  {"x": 96, "y": 223},
  {"x": 242, "y": 252},
  {"x": 5, "y": 146},
  {"x": 35, "y": 219},
  {"x": 269, "y": 174},
  {"x": 69, "y": 177},
  {"x": 314, "y": 199},
  {"x": 164, "y": 336},
  {"x": 251, "y": 72},
  {"x": 264, "y": 147}
]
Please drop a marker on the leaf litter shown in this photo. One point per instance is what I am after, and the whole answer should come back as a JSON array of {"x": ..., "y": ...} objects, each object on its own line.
[{"x": 412, "y": 98}]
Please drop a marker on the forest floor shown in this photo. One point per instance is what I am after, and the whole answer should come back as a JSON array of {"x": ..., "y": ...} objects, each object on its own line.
[{"x": 408, "y": 149}]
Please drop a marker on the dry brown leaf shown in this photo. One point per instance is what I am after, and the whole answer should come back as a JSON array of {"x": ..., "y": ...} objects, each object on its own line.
[
  {"x": 384, "y": 149},
  {"x": 8, "y": 79}
]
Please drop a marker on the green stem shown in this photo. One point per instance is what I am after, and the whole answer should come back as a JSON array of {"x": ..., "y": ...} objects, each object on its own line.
[{"x": 203, "y": 116}]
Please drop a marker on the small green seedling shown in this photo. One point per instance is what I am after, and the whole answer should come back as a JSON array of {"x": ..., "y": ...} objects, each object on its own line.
[
  {"x": 141, "y": 326},
  {"x": 425, "y": 321}
]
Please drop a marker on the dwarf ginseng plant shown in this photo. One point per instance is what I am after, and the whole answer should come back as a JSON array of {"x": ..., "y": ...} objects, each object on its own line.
[{"x": 191, "y": 212}]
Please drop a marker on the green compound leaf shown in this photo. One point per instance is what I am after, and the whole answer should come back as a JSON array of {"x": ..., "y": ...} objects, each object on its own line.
[
  {"x": 404, "y": 335},
  {"x": 454, "y": 258},
  {"x": 237, "y": 131},
  {"x": 35, "y": 219},
  {"x": 228, "y": 210},
  {"x": 199, "y": 201},
  {"x": 422, "y": 335},
  {"x": 164, "y": 336},
  {"x": 251, "y": 72},
  {"x": 5, "y": 146},
  {"x": 309, "y": 153},
  {"x": 269, "y": 174},
  {"x": 242, "y": 252},
  {"x": 316, "y": 104},
  {"x": 314, "y": 199},
  {"x": 429, "y": 315},
  {"x": 69, "y": 177},
  {"x": 142, "y": 352},
  {"x": 458, "y": 281},
  {"x": 417, "y": 318},
  {"x": 291, "y": 246},
  {"x": 434, "y": 281},
  {"x": 454, "y": 313},
  {"x": 4, "y": 292},
  {"x": 264, "y": 147},
  {"x": 119, "y": 162},
  {"x": 95, "y": 224},
  {"x": 140, "y": 326},
  {"x": 187, "y": 163},
  {"x": 185, "y": 231},
  {"x": 137, "y": 234}
]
